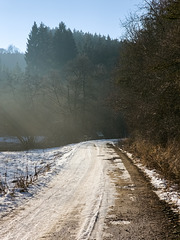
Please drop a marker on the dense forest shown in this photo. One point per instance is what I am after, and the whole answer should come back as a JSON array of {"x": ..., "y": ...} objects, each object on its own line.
[
  {"x": 63, "y": 91},
  {"x": 75, "y": 85},
  {"x": 148, "y": 84}
]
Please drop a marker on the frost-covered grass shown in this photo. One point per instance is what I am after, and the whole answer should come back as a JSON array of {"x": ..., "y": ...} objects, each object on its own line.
[{"x": 24, "y": 173}]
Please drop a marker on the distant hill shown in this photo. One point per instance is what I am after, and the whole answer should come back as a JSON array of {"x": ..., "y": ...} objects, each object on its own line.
[{"x": 11, "y": 58}]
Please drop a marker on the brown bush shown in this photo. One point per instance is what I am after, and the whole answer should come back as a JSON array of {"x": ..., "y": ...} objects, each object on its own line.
[{"x": 166, "y": 160}]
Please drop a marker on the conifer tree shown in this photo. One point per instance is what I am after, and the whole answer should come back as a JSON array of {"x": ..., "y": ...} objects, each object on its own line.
[
  {"x": 44, "y": 48},
  {"x": 64, "y": 48},
  {"x": 38, "y": 54},
  {"x": 31, "y": 55}
]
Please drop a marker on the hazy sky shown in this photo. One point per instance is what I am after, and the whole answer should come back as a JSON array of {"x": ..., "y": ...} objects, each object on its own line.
[{"x": 94, "y": 16}]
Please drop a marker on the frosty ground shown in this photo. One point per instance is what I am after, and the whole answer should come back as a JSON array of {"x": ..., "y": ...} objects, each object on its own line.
[{"x": 82, "y": 191}]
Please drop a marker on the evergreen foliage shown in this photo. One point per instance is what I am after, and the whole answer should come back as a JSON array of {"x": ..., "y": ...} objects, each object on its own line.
[
  {"x": 63, "y": 92},
  {"x": 99, "y": 49},
  {"x": 64, "y": 48}
]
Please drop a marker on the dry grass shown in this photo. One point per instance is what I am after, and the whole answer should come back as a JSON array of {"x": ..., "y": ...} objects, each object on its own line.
[
  {"x": 22, "y": 182},
  {"x": 3, "y": 187},
  {"x": 166, "y": 160}
]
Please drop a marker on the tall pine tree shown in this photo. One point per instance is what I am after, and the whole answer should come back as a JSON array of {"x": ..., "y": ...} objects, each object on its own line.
[
  {"x": 64, "y": 47},
  {"x": 31, "y": 55},
  {"x": 38, "y": 53}
]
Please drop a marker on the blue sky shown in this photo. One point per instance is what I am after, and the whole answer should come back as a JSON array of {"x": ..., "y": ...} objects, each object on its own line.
[{"x": 94, "y": 16}]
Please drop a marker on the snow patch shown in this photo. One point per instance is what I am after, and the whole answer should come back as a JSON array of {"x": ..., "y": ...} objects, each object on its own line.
[
  {"x": 25, "y": 164},
  {"x": 120, "y": 222},
  {"x": 164, "y": 190},
  {"x": 125, "y": 174}
]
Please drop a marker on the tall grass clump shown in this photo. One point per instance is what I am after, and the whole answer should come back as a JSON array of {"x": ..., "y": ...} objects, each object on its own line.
[{"x": 165, "y": 159}]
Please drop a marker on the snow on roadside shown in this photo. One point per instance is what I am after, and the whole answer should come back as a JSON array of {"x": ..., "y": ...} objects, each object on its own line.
[
  {"x": 47, "y": 162},
  {"x": 164, "y": 190}
]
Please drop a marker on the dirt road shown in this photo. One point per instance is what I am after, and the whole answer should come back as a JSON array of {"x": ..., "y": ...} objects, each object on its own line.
[{"x": 98, "y": 195}]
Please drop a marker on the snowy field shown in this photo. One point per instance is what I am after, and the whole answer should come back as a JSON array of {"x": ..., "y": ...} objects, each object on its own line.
[{"x": 34, "y": 168}]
